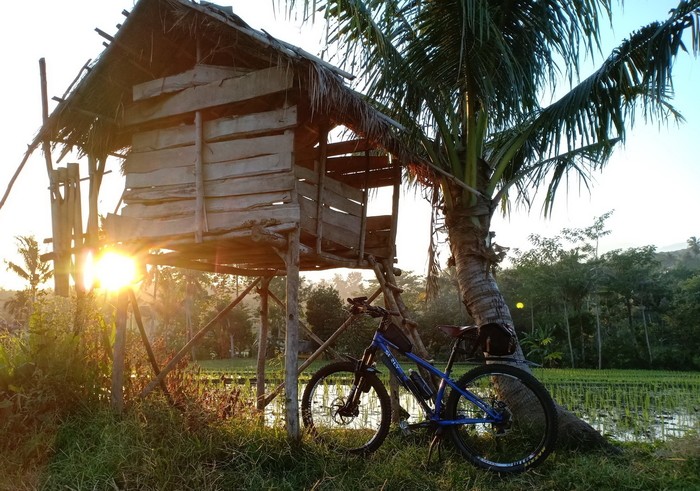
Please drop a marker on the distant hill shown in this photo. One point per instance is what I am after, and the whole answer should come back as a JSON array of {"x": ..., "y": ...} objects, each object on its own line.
[{"x": 681, "y": 258}]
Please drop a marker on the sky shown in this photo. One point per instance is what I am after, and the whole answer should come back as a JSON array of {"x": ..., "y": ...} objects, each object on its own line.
[{"x": 652, "y": 183}]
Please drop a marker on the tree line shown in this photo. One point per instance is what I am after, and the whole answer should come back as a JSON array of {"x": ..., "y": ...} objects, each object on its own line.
[{"x": 572, "y": 306}]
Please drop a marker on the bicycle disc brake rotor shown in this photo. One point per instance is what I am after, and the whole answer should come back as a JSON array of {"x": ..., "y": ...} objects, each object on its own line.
[{"x": 341, "y": 413}]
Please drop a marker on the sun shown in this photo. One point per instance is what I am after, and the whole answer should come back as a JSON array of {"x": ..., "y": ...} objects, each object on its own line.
[{"x": 110, "y": 270}]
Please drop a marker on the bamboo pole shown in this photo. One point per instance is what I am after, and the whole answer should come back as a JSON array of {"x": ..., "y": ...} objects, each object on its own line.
[
  {"x": 363, "y": 218},
  {"x": 200, "y": 215},
  {"x": 147, "y": 344},
  {"x": 291, "y": 345},
  {"x": 395, "y": 208},
  {"x": 75, "y": 224},
  {"x": 95, "y": 181},
  {"x": 118, "y": 358},
  {"x": 30, "y": 150},
  {"x": 263, "y": 291},
  {"x": 200, "y": 334},
  {"x": 322, "y": 157},
  {"x": 46, "y": 142},
  {"x": 306, "y": 329},
  {"x": 60, "y": 234}
]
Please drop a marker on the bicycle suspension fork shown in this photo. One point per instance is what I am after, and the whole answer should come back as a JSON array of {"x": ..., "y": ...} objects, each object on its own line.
[{"x": 359, "y": 384}]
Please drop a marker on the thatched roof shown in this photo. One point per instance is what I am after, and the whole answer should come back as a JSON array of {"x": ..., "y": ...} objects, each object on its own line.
[{"x": 159, "y": 38}]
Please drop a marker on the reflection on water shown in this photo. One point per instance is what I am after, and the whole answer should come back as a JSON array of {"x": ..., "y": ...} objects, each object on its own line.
[{"x": 644, "y": 422}]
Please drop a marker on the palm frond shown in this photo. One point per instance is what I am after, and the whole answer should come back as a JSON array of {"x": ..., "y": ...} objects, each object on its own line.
[{"x": 586, "y": 123}]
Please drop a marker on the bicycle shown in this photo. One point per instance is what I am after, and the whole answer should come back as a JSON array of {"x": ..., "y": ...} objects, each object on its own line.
[{"x": 498, "y": 416}]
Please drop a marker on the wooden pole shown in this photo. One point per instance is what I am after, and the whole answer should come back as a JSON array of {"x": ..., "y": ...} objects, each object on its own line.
[
  {"x": 303, "y": 326},
  {"x": 363, "y": 218},
  {"x": 118, "y": 358},
  {"x": 46, "y": 143},
  {"x": 322, "y": 156},
  {"x": 395, "y": 208},
  {"x": 263, "y": 291},
  {"x": 60, "y": 233},
  {"x": 146, "y": 343},
  {"x": 18, "y": 171},
  {"x": 183, "y": 351},
  {"x": 291, "y": 348},
  {"x": 95, "y": 178},
  {"x": 200, "y": 216}
]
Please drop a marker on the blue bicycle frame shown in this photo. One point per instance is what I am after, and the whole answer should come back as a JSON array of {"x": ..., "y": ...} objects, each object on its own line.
[{"x": 381, "y": 343}]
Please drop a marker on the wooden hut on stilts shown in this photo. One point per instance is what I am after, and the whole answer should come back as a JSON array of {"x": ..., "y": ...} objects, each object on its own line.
[{"x": 229, "y": 167}]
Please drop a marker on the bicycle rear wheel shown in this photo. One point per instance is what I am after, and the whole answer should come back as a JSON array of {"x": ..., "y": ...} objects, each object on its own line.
[
  {"x": 528, "y": 431},
  {"x": 363, "y": 429}
]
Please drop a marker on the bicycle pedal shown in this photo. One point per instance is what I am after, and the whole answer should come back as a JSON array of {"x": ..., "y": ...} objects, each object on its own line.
[{"x": 403, "y": 425}]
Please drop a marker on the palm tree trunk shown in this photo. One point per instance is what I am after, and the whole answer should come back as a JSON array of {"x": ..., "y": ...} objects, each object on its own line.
[
  {"x": 597, "y": 332},
  {"x": 473, "y": 259},
  {"x": 568, "y": 335},
  {"x": 646, "y": 334}
]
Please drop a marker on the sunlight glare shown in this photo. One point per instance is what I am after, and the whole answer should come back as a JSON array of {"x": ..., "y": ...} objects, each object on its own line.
[{"x": 111, "y": 270}]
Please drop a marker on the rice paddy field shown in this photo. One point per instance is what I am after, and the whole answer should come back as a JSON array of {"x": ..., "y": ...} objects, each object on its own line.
[
  {"x": 625, "y": 405},
  {"x": 629, "y": 405}
]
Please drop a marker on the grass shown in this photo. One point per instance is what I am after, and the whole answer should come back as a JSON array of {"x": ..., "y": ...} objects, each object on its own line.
[
  {"x": 154, "y": 446},
  {"x": 51, "y": 438}
]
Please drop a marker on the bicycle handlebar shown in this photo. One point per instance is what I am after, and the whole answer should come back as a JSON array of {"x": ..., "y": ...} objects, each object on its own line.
[{"x": 361, "y": 306}]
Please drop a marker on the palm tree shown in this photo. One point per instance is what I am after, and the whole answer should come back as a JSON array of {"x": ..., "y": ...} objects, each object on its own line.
[
  {"x": 694, "y": 245},
  {"x": 34, "y": 271},
  {"x": 466, "y": 79}
]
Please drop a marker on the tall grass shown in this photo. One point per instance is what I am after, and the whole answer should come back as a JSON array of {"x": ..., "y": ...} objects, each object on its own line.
[{"x": 155, "y": 446}]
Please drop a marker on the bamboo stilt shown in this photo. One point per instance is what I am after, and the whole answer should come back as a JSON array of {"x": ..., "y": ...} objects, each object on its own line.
[
  {"x": 291, "y": 345},
  {"x": 263, "y": 291},
  {"x": 118, "y": 358},
  {"x": 322, "y": 151}
]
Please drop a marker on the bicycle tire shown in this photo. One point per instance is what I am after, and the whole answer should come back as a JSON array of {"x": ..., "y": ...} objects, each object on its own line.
[
  {"x": 528, "y": 435},
  {"x": 326, "y": 392}
]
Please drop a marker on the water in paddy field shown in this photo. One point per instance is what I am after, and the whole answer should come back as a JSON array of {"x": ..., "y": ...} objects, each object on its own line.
[
  {"x": 637, "y": 408},
  {"x": 623, "y": 411}
]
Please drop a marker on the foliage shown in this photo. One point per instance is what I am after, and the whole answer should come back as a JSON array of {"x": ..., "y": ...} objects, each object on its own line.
[
  {"x": 324, "y": 311},
  {"x": 34, "y": 271},
  {"x": 48, "y": 373},
  {"x": 645, "y": 316},
  {"x": 539, "y": 346},
  {"x": 58, "y": 433},
  {"x": 154, "y": 446}
]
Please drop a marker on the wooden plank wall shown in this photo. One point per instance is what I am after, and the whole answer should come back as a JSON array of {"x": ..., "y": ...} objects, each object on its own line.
[
  {"x": 350, "y": 171},
  {"x": 246, "y": 159},
  {"x": 251, "y": 173}
]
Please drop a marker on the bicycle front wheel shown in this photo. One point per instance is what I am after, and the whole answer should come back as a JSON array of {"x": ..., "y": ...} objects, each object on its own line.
[
  {"x": 363, "y": 428},
  {"x": 524, "y": 434}
]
